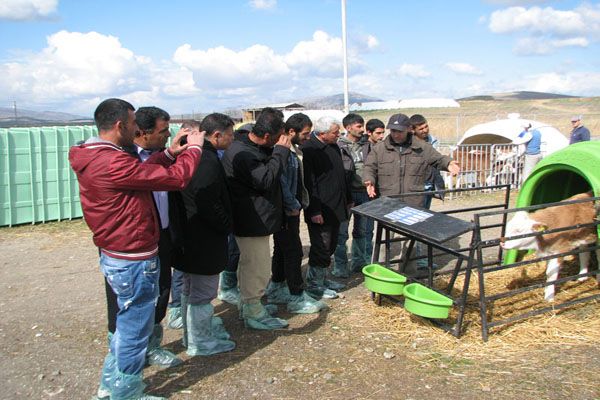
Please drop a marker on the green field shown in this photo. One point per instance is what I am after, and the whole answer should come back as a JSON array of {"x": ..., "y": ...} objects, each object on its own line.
[{"x": 449, "y": 124}]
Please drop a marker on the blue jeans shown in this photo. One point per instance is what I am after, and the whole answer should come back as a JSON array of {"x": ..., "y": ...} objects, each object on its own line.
[
  {"x": 176, "y": 287},
  {"x": 136, "y": 285},
  {"x": 362, "y": 235}
]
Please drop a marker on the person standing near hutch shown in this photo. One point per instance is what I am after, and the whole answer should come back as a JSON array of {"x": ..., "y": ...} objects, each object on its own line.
[{"x": 579, "y": 133}]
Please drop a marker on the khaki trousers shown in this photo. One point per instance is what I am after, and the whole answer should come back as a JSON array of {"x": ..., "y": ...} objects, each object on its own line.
[{"x": 254, "y": 268}]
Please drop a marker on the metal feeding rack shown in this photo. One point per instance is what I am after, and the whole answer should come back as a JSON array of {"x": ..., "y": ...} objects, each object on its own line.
[{"x": 397, "y": 222}]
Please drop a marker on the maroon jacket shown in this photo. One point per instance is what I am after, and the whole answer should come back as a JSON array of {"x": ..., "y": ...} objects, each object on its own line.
[{"x": 116, "y": 194}]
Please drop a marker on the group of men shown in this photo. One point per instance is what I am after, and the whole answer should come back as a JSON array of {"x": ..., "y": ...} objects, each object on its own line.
[{"x": 151, "y": 208}]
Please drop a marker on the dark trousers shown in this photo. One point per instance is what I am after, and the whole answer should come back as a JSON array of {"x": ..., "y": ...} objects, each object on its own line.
[
  {"x": 323, "y": 241},
  {"x": 286, "y": 264},
  {"x": 233, "y": 254},
  {"x": 165, "y": 256},
  {"x": 176, "y": 288}
]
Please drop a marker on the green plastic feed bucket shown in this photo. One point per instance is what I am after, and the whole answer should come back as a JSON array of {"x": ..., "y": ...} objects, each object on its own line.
[
  {"x": 421, "y": 300},
  {"x": 379, "y": 279},
  {"x": 567, "y": 172}
]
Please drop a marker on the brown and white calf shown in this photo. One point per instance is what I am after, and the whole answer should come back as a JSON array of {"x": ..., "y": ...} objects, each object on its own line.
[{"x": 554, "y": 243}]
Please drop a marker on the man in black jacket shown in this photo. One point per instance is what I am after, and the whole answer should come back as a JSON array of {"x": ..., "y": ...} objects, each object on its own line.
[
  {"x": 204, "y": 221},
  {"x": 329, "y": 200},
  {"x": 253, "y": 166}
]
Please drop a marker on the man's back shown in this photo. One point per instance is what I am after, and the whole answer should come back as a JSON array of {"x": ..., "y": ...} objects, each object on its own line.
[
  {"x": 533, "y": 146},
  {"x": 253, "y": 175}
]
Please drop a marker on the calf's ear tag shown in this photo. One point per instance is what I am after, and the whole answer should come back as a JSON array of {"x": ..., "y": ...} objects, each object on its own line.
[{"x": 539, "y": 227}]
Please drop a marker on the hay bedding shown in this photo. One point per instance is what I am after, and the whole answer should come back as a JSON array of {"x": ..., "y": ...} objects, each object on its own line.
[{"x": 574, "y": 325}]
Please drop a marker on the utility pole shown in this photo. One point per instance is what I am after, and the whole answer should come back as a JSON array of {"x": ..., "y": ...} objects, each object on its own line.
[
  {"x": 15, "y": 108},
  {"x": 345, "y": 61}
]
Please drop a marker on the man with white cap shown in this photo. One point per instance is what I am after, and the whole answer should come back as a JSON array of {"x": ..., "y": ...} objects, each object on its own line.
[
  {"x": 532, "y": 139},
  {"x": 579, "y": 133}
]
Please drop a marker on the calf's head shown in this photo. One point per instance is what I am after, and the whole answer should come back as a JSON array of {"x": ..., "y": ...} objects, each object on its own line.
[{"x": 522, "y": 224}]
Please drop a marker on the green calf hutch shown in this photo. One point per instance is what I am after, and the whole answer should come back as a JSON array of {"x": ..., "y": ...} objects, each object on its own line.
[{"x": 567, "y": 172}]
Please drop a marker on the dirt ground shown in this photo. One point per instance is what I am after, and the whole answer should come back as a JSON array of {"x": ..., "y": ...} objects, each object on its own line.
[{"x": 53, "y": 340}]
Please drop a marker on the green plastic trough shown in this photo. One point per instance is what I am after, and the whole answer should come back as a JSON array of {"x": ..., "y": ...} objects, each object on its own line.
[
  {"x": 422, "y": 301},
  {"x": 379, "y": 279},
  {"x": 567, "y": 172}
]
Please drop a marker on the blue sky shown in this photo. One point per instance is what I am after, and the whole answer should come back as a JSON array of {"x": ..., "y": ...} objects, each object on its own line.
[{"x": 184, "y": 56}]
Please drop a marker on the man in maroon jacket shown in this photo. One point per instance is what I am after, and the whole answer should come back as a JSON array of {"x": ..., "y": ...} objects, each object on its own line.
[{"x": 116, "y": 198}]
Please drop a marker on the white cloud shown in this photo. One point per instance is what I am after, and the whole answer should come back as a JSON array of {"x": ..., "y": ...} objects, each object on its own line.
[
  {"x": 413, "y": 71},
  {"x": 321, "y": 56},
  {"x": 77, "y": 70},
  {"x": 261, "y": 68},
  {"x": 372, "y": 42},
  {"x": 368, "y": 84},
  {"x": 221, "y": 67},
  {"x": 532, "y": 47},
  {"x": 463, "y": 68},
  {"x": 546, "y": 30},
  {"x": 73, "y": 65},
  {"x": 537, "y": 20},
  {"x": 25, "y": 10},
  {"x": 577, "y": 83},
  {"x": 572, "y": 42},
  {"x": 584, "y": 83},
  {"x": 539, "y": 46},
  {"x": 263, "y": 4}
]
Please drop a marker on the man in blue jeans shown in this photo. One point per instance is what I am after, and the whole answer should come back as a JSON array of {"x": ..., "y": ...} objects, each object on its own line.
[
  {"x": 152, "y": 136},
  {"x": 116, "y": 198}
]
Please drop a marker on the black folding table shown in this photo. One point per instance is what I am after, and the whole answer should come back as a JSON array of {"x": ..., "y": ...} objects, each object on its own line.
[{"x": 429, "y": 227}]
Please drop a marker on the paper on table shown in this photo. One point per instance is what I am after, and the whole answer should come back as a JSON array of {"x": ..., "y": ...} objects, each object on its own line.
[{"x": 408, "y": 215}]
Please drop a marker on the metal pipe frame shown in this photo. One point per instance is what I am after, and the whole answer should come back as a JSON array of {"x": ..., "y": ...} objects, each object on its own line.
[
  {"x": 484, "y": 300},
  {"x": 474, "y": 247}
]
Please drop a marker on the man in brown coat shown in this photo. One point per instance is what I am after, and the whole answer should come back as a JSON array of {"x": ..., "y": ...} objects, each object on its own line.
[{"x": 399, "y": 164}]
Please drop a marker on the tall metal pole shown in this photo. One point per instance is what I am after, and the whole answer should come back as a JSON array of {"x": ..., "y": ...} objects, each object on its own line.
[
  {"x": 345, "y": 62},
  {"x": 15, "y": 107}
]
